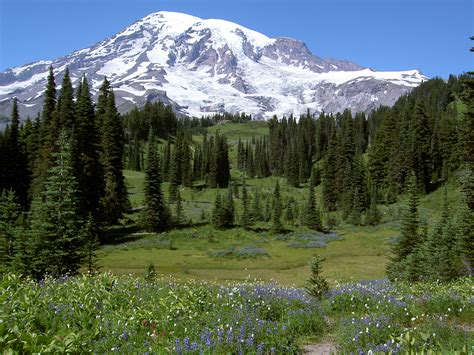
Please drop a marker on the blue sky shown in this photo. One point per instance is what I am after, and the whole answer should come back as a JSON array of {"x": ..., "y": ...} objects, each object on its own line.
[{"x": 430, "y": 35}]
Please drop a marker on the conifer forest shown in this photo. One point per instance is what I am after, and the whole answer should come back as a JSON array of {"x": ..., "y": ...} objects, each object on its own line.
[{"x": 150, "y": 231}]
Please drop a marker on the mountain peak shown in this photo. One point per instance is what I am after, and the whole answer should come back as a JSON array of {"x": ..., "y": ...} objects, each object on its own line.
[
  {"x": 205, "y": 66},
  {"x": 171, "y": 17}
]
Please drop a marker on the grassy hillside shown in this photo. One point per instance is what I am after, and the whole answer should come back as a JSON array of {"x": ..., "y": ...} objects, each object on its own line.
[{"x": 201, "y": 252}]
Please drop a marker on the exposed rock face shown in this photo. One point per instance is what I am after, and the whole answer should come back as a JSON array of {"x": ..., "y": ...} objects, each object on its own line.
[{"x": 207, "y": 66}]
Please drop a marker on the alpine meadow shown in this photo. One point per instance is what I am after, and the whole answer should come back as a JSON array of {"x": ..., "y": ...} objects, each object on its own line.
[{"x": 190, "y": 185}]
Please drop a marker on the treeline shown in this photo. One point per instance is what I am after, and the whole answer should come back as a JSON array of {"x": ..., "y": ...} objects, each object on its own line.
[
  {"x": 361, "y": 159},
  {"x": 157, "y": 120},
  {"x": 447, "y": 251},
  {"x": 61, "y": 180}
]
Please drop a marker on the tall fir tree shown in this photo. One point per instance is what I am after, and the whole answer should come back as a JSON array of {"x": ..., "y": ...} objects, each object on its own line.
[
  {"x": 330, "y": 188},
  {"x": 229, "y": 208},
  {"x": 155, "y": 216},
  {"x": 65, "y": 118},
  {"x": 87, "y": 167},
  {"x": 465, "y": 221},
  {"x": 217, "y": 217},
  {"x": 91, "y": 245},
  {"x": 257, "y": 211},
  {"x": 466, "y": 134},
  {"x": 114, "y": 202},
  {"x": 277, "y": 226},
  {"x": 222, "y": 162},
  {"x": 57, "y": 246},
  {"x": 47, "y": 137},
  {"x": 245, "y": 219},
  {"x": 409, "y": 239},
  {"x": 10, "y": 213},
  {"x": 16, "y": 165},
  {"x": 373, "y": 215},
  {"x": 312, "y": 217},
  {"x": 178, "y": 211}
]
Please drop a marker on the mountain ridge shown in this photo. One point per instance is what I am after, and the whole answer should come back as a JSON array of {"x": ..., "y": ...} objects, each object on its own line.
[{"x": 206, "y": 66}]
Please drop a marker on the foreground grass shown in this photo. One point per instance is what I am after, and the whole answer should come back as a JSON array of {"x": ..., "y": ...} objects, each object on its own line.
[{"x": 106, "y": 313}]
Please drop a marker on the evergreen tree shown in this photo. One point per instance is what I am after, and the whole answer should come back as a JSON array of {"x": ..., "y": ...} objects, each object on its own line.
[
  {"x": 359, "y": 191},
  {"x": 91, "y": 245},
  {"x": 465, "y": 221},
  {"x": 450, "y": 257},
  {"x": 317, "y": 286},
  {"x": 10, "y": 212},
  {"x": 222, "y": 162},
  {"x": 29, "y": 138},
  {"x": 114, "y": 201},
  {"x": 466, "y": 136},
  {"x": 373, "y": 216},
  {"x": 218, "y": 212},
  {"x": 166, "y": 161},
  {"x": 175, "y": 175},
  {"x": 409, "y": 239},
  {"x": 211, "y": 168},
  {"x": 420, "y": 144},
  {"x": 55, "y": 228},
  {"x": 330, "y": 189},
  {"x": 292, "y": 167},
  {"x": 49, "y": 108},
  {"x": 65, "y": 118},
  {"x": 229, "y": 208},
  {"x": 245, "y": 220},
  {"x": 241, "y": 156},
  {"x": 155, "y": 216},
  {"x": 48, "y": 135},
  {"x": 408, "y": 236},
  {"x": 277, "y": 226},
  {"x": 178, "y": 209},
  {"x": 312, "y": 218},
  {"x": 87, "y": 167},
  {"x": 16, "y": 166},
  {"x": 289, "y": 210},
  {"x": 257, "y": 215}
]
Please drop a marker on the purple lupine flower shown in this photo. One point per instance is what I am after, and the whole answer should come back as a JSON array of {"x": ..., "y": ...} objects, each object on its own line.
[
  {"x": 220, "y": 334},
  {"x": 186, "y": 344},
  {"x": 177, "y": 346},
  {"x": 125, "y": 335},
  {"x": 206, "y": 337},
  {"x": 230, "y": 335},
  {"x": 249, "y": 341}
]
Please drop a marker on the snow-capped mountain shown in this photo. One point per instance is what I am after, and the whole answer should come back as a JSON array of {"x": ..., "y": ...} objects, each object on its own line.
[{"x": 206, "y": 66}]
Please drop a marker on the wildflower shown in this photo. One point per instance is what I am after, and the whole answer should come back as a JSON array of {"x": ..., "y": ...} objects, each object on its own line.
[
  {"x": 124, "y": 336},
  {"x": 177, "y": 345}
]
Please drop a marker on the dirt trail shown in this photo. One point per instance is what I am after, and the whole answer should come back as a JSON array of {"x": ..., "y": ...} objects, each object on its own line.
[{"x": 323, "y": 348}]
